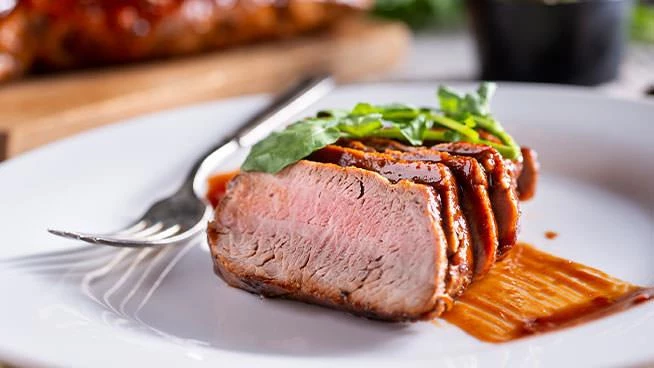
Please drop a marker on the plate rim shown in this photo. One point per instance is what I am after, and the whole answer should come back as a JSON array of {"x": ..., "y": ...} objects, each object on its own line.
[{"x": 144, "y": 118}]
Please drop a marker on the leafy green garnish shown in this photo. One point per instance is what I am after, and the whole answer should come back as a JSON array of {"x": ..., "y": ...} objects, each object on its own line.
[
  {"x": 474, "y": 108},
  {"x": 422, "y": 13},
  {"x": 299, "y": 140},
  {"x": 642, "y": 24},
  {"x": 360, "y": 126},
  {"x": 415, "y": 129},
  {"x": 459, "y": 119}
]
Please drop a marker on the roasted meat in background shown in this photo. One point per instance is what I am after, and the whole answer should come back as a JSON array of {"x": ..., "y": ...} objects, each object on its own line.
[{"x": 64, "y": 34}]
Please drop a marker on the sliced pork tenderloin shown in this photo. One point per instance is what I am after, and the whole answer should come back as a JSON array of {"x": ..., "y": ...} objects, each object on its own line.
[
  {"x": 457, "y": 229},
  {"x": 343, "y": 237}
]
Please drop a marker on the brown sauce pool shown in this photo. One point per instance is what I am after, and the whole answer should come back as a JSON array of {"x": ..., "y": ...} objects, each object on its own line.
[
  {"x": 531, "y": 292},
  {"x": 526, "y": 293}
]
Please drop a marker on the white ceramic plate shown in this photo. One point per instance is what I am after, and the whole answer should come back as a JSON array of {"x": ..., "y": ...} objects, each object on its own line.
[{"x": 105, "y": 307}]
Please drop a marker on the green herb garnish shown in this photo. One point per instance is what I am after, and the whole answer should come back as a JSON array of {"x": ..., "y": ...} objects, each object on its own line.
[
  {"x": 642, "y": 24},
  {"x": 475, "y": 110},
  {"x": 459, "y": 119},
  {"x": 422, "y": 13}
]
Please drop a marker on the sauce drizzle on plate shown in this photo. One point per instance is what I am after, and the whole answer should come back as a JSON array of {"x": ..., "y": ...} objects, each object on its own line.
[{"x": 531, "y": 292}]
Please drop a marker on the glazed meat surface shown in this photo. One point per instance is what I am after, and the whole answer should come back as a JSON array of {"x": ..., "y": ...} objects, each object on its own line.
[{"x": 471, "y": 162}]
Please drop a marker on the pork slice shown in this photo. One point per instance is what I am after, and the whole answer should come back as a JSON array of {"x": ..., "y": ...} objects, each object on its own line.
[
  {"x": 502, "y": 189},
  {"x": 508, "y": 180},
  {"x": 525, "y": 170},
  {"x": 438, "y": 176},
  {"x": 395, "y": 170},
  {"x": 492, "y": 210},
  {"x": 475, "y": 201},
  {"x": 343, "y": 237},
  {"x": 528, "y": 177},
  {"x": 354, "y": 143},
  {"x": 383, "y": 144}
]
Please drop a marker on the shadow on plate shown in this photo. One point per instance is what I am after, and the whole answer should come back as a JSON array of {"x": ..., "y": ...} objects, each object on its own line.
[{"x": 173, "y": 293}]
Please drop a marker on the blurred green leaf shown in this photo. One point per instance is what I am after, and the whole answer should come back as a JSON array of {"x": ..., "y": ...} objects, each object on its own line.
[
  {"x": 422, "y": 13},
  {"x": 642, "y": 26},
  {"x": 443, "y": 13}
]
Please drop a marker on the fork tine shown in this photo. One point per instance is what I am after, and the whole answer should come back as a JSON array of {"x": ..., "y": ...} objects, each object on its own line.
[
  {"x": 143, "y": 233},
  {"x": 148, "y": 237},
  {"x": 128, "y": 242},
  {"x": 95, "y": 238},
  {"x": 62, "y": 258},
  {"x": 163, "y": 234},
  {"x": 138, "y": 226},
  {"x": 194, "y": 212}
]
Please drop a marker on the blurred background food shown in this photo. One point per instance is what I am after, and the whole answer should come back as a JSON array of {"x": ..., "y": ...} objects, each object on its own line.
[
  {"x": 121, "y": 58},
  {"x": 42, "y": 35},
  {"x": 64, "y": 34}
]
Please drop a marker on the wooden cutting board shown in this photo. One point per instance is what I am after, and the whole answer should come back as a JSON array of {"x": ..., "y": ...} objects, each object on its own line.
[{"x": 40, "y": 110}]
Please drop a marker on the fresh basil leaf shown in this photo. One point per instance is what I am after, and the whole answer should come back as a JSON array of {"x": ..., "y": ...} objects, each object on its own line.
[
  {"x": 457, "y": 106},
  {"x": 485, "y": 92},
  {"x": 449, "y": 100},
  {"x": 471, "y": 105},
  {"x": 363, "y": 108},
  {"x": 415, "y": 129},
  {"x": 292, "y": 144},
  {"x": 354, "y": 120},
  {"x": 388, "y": 111},
  {"x": 362, "y": 126}
]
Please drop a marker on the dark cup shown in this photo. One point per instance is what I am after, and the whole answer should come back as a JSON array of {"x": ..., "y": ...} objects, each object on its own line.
[{"x": 580, "y": 42}]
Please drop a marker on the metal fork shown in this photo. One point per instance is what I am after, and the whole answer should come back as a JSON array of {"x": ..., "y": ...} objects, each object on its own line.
[{"x": 183, "y": 215}]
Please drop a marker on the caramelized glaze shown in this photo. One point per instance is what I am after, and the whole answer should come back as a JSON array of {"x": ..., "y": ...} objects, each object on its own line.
[{"x": 531, "y": 292}]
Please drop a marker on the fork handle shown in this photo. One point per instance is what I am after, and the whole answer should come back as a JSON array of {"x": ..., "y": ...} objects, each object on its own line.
[{"x": 283, "y": 107}]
